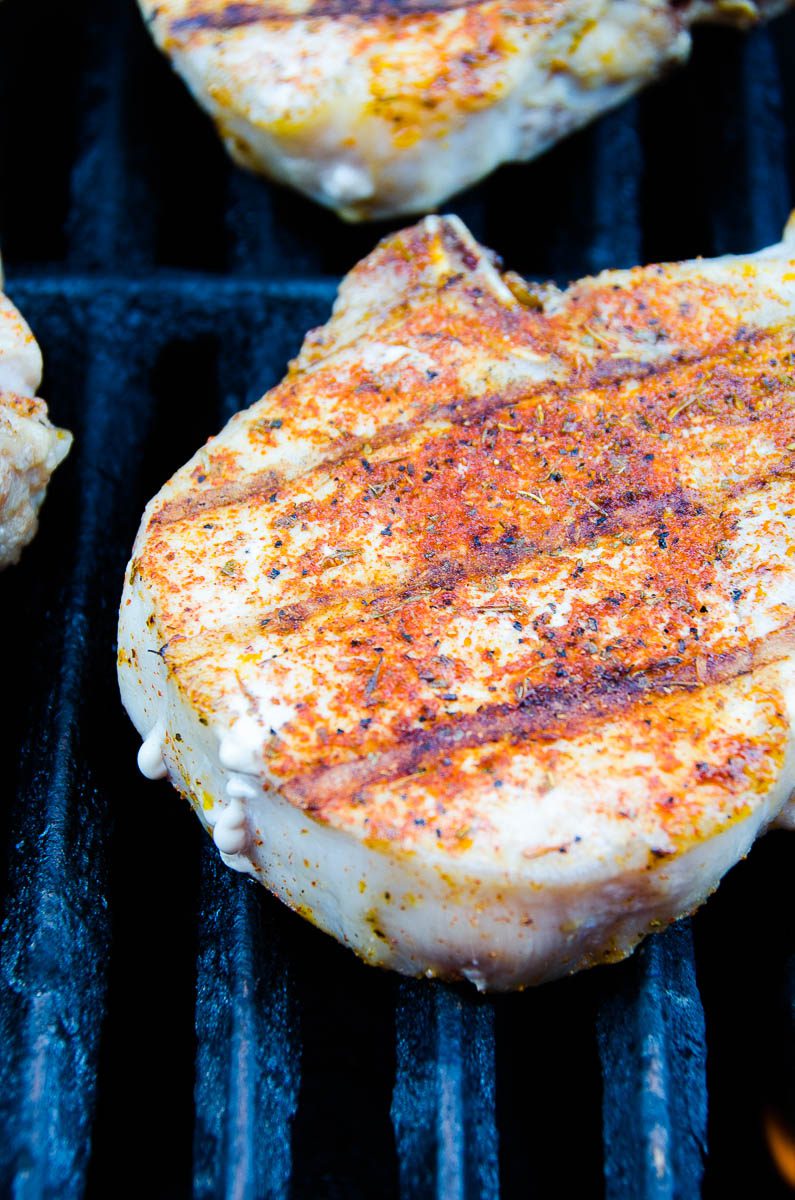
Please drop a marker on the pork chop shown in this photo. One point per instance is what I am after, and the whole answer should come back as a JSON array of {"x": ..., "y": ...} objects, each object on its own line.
[
  {"x": 30, "y": 446},
  {"x": 473, "y": 639},
  {"x": 382, "y": 107}
]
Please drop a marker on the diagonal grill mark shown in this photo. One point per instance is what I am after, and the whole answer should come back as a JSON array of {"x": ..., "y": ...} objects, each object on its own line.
[
  {"x": 236, "y": 15},
  {"x": 603, "y": 375},
  {"x": 491, "y": 561},
  {"x": 198, "y": 503},
  {"x": 201, "y": 503},
  {"x": 545, "y": 713}
]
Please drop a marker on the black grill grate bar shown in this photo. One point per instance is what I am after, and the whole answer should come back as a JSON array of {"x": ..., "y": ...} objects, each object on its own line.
[
  {"x": 444, "y": 1103},
  {"x": 768, "y": 185},
  {"x": 242, "y": 302},
  {"x": 247, "y": 1063},
  {"x": 56, "y": 935},
  {"x": 652, "y": 1044}
]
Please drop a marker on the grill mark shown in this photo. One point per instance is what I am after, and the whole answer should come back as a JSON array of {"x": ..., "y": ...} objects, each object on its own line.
[
  {"x": 606, "y": 373},
  {"x": 349, "y": 447},
  {"x": 546, "y": 713},
  {"x": 199, "y": 504},
  {"x": 603, "y": 375},
  {"x": 493, "y": 561},
  {"x": 235, "y": 16}
]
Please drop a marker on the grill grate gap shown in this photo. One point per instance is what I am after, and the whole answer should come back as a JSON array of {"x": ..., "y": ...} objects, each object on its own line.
[
  {"x": 248, "y": 1057},
  {"x": 34, "y": 198},
  {"x": 342, "y": 1142},
  {"x": 443, "y": 1104},
  {"x": 549, "y": 1090}
]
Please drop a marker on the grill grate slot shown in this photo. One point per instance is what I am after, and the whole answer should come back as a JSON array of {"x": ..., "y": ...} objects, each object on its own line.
[
  {"x": 247, "y": 1062},
  {"x": 443, "y": 1105}
]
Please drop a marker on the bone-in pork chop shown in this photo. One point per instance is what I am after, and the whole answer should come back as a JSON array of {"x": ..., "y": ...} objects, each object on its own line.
[{"x": 473, "y": 639}]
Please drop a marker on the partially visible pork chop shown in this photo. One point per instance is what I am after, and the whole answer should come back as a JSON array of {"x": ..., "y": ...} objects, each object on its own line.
[
  {"x": 382, "y": 107},
  {"x": 30, "y": 447},
  {"x": 474, "y": 640}
]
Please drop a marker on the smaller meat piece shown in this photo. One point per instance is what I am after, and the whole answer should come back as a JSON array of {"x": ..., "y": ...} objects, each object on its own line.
[
  {"x": 30, "y": 446},
  {"x": 377, "y": 108}
]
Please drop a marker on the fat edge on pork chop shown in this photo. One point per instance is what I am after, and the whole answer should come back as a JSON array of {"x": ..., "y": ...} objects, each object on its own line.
[
  {"x": 385, "y": 107},
  {"x": 473, "y": 639}
]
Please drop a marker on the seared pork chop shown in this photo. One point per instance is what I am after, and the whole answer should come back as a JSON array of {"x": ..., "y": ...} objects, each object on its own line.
[
  {"x": 382, "y": 107},
  {"x": 30, "y": 447},
  {"x": 473, "y": 639}
]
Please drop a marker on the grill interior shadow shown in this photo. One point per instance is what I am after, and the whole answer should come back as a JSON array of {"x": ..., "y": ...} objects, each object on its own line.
[
  {"x": 342, "y": 1139},
  {"x": 549, "y": 1090}
]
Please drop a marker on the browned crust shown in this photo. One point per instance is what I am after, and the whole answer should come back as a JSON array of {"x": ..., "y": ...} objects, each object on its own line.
[
  {"x": 469, "y": 411},
  {"x": 235, "y": 15},
  {"x": 201, "y": 503},
  {"x": 464, "y": 488},
  {"x": 545, "y": 714}
]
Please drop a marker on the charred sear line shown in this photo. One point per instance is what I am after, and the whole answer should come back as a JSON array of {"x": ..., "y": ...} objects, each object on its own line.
[
  {"x": 725, "y": 385},
  {"x": 198, "y": 504},
  {"x": 604, "y": 377},
  {"x": 545, "y": 713},
  {"x": 233, "y": 16}
]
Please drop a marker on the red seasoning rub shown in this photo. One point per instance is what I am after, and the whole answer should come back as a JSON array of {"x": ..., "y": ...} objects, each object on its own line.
[{"x": 490, "y": 606}]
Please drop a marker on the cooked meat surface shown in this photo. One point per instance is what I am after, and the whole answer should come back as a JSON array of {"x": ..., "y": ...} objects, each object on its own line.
[
  {"x": 473, "y": 639},
  {"x": 382, "y": 107},
  {"x": 30, "y": 447}
]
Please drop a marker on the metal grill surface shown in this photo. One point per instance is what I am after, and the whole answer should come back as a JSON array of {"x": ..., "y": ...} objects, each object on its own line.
[{"x": 167, "y": 1028}]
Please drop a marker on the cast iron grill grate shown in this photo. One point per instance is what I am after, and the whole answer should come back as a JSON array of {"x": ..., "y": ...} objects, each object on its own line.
[{"x": 167, "y": 1029}]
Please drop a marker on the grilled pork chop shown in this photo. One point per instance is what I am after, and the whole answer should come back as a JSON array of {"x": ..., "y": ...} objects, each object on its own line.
[
  {"x": 382, "y": 107},
  {"x": 473, "y": 639},
  {"x": 30, "y": 447}
]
